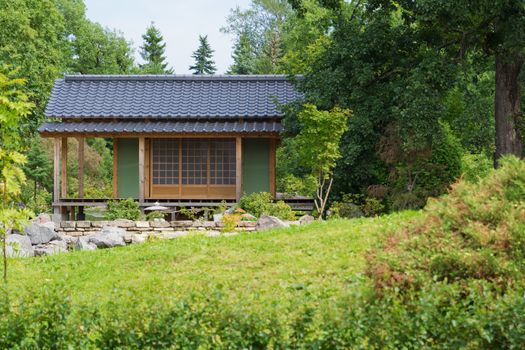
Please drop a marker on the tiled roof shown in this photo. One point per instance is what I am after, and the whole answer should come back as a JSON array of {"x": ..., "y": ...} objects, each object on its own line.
[
  {"x": 145, "y": 127},
  {"x": 169, "y": 96}
]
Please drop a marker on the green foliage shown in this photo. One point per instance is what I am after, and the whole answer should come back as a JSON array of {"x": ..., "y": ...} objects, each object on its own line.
[
  {"x": 243, "y": 57},
  {"x": 124, "y": 209},
  {"x": 353, "y": 205},
  {"x": 475, "y": 166},
  {"x": 293, "y": 185},
  {"x": 310, "y": 294},
  {"x": 261, "y": 203},
  {"x": 100, "y": 50},
  {"x": 317, "y": 144},
  {"x": 152, "y": 51},
  {"x": 152, "y": 215},
  {"x": 203, "y": 57},
  {"x": 475, "y": 233},
  {"x": 256, "y": 203}
]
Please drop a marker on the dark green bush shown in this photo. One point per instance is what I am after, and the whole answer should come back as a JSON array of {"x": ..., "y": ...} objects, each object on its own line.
[
  {"x": 354, "y": 205},
  {"x": 125, "y": 209}
]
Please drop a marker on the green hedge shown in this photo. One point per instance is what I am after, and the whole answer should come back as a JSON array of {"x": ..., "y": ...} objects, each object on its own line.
[{"x": 441, "y": 316}]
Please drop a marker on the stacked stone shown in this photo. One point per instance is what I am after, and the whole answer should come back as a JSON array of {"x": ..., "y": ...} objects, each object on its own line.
[{"x": 138, "y": 231}]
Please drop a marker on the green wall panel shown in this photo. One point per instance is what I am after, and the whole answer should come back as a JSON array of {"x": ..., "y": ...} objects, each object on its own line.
[
  {"x": 128, "y": 168},
  {"x": 256, "y": 170}
]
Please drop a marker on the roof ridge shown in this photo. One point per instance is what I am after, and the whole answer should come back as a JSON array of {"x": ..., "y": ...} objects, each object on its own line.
[{"x": 174, "y": 77}]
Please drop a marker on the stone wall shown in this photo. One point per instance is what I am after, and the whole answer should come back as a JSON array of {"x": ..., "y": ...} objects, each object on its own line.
[{"x": 138, "y": 231}]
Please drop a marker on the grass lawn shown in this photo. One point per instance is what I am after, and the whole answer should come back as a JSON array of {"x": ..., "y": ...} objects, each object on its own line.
[{"x": 321, "y": 259}]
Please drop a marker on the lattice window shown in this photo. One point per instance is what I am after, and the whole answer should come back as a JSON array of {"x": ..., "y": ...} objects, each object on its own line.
[
  {"x": 165, "y": 162},
  {"x": 222, "y": 162},
  {"x": 195, "y": 161}
]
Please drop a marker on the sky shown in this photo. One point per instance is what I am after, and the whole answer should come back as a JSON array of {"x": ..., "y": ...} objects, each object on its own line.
[{"x": 180, "y": 22}]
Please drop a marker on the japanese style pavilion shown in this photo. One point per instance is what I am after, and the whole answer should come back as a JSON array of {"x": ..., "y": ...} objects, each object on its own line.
[{"x": 181, "y": 140}]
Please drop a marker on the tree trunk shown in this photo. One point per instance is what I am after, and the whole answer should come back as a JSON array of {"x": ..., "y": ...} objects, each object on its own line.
[{"x": 508, "y": 106}]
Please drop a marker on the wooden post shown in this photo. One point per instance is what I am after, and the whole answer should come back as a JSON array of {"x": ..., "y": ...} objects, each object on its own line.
[
  {"x": 63, "y": 168},
  {"x": 272, "y": 166},
  {"x": 56, "y": 175},
  {"x": 238, "y": 168},
  {"x": 80, "y": 167},
  {"x": 115, "y": 168},
  {"x": 141, "y": 169}
]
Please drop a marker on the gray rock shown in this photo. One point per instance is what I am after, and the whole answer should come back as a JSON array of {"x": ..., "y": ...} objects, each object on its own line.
[
  {"x": 51, "y": 248},
  {"x": 159, "y": 223},
  {"x": 267, "y": 222},
  {"x": 83, "y": 243},
  {"x": 109, "y": 237},
  {"x": 306, "y": 219},
  {"x": 248, "y": 217},
  {"x": 43, "y": 218},
  {"x": 18, "y": 246},
  {"x": 41, "y": 233},
  {"x": 123, "y": 223}
]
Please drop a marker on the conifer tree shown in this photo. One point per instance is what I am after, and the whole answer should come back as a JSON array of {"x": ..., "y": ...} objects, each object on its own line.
[
  {"x": 243, "y": 57},
  {"x": 152, "y": 51},
  {"x": 204, "y": 63}
]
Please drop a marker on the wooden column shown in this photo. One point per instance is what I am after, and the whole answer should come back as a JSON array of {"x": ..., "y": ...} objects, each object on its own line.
[
  {"x": 141, "y": 169},
  {"x": 238, "y": 168},
  {"x": 56, "y": 174},
  {"x": 63, "y": 168},
  {"x": 80, "y": 167},
  {"x": 272, "y": 159},
  {"x": 115, "y": 168}
]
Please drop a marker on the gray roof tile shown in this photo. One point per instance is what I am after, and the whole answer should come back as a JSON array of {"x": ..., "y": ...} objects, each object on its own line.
[
  {"x": 169, "y": 96},
  {"x": 145, "y": 127}
]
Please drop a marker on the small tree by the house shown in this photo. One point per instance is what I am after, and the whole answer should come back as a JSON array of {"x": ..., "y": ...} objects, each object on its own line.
[
  {"x": 14, "y": 106},
  {"x": 204, "y": 63},
  {"x": 318, "y": 146}
]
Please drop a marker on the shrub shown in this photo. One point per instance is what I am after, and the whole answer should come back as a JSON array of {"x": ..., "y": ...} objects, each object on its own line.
[
  {"x": 125, "y": 209},
  {"x": 476, "y": 232},
  {"x": 256, "y": 203},
  {"x": 356, "y": 205},
  {"x": 230, "y": 221},
  {"x": 261, "y": 203},
  {"x": 475, "y": 166},
  {"x": 281, "y": 210},
  {"x": 151, "y": 216}
]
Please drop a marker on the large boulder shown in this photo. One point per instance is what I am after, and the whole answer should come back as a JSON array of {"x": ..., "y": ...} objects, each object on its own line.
[
  {"x": 267, "y": 222},
  {"x": 109, "y": 237},
  {"x": 18, "y": 246},
  {"x": 43, "y": 218},
  {"x": 41, "y": 233},
  {"x": 51, "y": 248},
  {"x": 82, "y": 243},
  {"x": 306, "y": 219}
]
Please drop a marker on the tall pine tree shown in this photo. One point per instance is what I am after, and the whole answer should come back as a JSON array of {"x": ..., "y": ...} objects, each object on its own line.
[
  {"x": 152, "y": 51},
  {"x": 203, "y": 58},
  {"x": 243, "y": 57}
]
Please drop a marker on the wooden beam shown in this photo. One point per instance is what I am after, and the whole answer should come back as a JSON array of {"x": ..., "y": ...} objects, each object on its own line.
[
  {"x": 141, "y": 169},
  {"x": 162, "y": 135},
  {"x": 63, "y": 168},
  {"x": 56, "y": 173},
  {"x": 80, "y": 167},
  {"x": 238, "y": 168},
  {"x": 115, "y": 168},
  {"x": 272, "y": 160}
]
